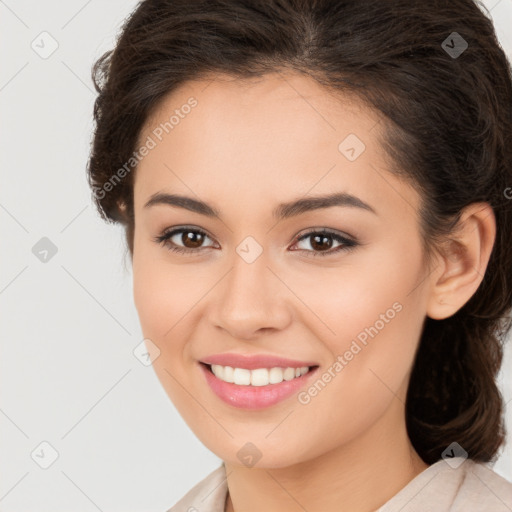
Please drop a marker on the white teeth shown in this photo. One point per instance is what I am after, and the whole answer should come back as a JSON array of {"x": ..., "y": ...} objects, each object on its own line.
[
  {"x": 289, "y": 374},
  {"x": 275, "y": 375},
  {"x": 242, "y": 376},
  {"x": 258, "y": 377},
  {"x": 228, "y": 374}
]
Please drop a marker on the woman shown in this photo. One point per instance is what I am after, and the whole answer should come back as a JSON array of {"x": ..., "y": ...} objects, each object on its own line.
[{"x": 316, "y": 197}]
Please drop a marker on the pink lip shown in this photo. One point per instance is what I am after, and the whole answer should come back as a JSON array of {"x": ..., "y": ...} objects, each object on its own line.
[
  {"x": 254, "y": 397},
  {"x": 255, "y": 361}
]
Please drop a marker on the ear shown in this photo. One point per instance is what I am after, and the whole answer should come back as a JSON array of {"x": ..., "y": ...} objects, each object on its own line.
[{"x": 463, "y": 261}]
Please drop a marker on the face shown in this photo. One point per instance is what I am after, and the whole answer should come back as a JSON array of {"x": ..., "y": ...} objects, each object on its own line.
[{"x": 336, "y": 286}]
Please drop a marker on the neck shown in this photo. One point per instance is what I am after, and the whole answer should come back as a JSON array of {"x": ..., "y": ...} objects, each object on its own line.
[{"x": 360, "y": 476}]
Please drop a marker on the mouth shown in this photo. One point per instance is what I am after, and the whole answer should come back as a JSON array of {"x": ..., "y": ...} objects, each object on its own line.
[
  {"x": 257, "y": 388},
  {"x": 258, "y": 376}
]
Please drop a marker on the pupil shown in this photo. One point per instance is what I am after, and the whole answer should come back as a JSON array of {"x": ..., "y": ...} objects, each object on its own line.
[
  {"x": 192, "y": 238},
  {"x": 317, "y": 239}
]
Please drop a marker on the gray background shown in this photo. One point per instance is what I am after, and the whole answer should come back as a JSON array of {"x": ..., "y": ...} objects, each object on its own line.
[{"x": 69, "y": 327}]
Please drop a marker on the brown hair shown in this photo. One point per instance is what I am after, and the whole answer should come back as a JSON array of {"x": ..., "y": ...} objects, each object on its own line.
[{"x": 448, "y": 129}]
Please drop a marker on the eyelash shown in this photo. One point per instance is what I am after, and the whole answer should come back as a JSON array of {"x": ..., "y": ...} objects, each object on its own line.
[{"x": 348, "y": 244}]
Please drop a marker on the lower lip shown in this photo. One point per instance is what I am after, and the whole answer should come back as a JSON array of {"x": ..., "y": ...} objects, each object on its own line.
[{"x": 254, "y": 397}]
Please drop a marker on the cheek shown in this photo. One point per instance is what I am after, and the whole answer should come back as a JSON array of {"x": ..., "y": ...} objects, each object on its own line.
[
  {"x": 161, "y": 291},
  {"x": 372, "y": 286},
  {"x": 159, "y": 299},
  {"x": 371, "y": 318},
  {"x": 163, "y": 297},
  {"x": 169, "y": 299},
  {"x": 150, "y": 298}
]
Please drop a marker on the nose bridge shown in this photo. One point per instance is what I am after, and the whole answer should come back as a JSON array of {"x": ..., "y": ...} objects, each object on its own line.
[
  {"x": 250, "y": 298},
  {"x": 248, "y": 283}
]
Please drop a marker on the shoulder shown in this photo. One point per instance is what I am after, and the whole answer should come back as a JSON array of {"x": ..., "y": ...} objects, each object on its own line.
[
  {"x": 484, "y": 490},
  {"x": 209, "y": 495},
  {"x": 457, "y": 485}
]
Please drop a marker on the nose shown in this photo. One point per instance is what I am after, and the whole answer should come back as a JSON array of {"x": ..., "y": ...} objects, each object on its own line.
[{"x": 251, "y": 300}]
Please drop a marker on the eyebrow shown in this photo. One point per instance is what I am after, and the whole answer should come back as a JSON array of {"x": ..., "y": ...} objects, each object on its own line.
[{"x": 281, "y": 212}]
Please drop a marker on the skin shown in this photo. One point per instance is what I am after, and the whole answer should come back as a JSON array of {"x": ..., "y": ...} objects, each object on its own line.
[{"x": 245, "y": 148}]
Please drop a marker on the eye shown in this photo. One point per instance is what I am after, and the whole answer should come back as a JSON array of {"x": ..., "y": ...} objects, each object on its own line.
[
  {"x": 191, "y": 238},
  {"x": 321, "y": 242}
]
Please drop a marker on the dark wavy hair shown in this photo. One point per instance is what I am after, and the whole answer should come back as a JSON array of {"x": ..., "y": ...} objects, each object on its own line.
[{"x": 448, "y": 131}]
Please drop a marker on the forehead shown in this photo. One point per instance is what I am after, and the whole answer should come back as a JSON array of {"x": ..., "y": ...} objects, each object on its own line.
[
  {"x": 274, "y": 137},
  {"x": 273, "y": 101}
]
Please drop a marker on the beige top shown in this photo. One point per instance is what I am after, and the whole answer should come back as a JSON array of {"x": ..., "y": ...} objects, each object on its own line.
[{"x": 461, "y": 486}]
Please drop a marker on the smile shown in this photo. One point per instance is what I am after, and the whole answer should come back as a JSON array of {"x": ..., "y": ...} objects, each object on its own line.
[
  {"x": 257, "y": 388},
  {"x": 258, "y": 376}
]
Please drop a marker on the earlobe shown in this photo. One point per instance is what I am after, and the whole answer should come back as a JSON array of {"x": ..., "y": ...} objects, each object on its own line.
[{"x": 463, "y": 262}]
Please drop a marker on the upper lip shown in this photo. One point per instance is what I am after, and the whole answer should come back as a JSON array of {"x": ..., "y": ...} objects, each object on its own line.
[{"x": 255, "y": 361}]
